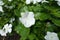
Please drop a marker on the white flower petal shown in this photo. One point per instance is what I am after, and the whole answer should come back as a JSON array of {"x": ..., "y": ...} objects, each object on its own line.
[
  {"x": 51, "y": 36},
  {"x": 45, "y": 1},
  {"x": 2, "y": 33},
  {"x": 10, "y": 0},
  {"x": 39, "y": 0},
  {"x": 31, "y": 14},
  {"x": 28, "y": 1},
  {"x": 10, "y": 25},
  {"x": 1, "y": 3},
  {"x": 34, "y": 1},
  {"x": 10, "y": 30},
  {"x": 27, "y": 19},
  {"x": 58, "y": 3},
  {"x": 1, "y": 9},
  {"x": 7, "y": 28}
]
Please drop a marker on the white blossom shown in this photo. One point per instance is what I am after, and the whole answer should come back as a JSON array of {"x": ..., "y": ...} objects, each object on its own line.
[
  {"x": 1, "y": 9},
  {"x": 39, "y": 0},
  {"x": 51, "y": 36},
  {"x": 1, "y": 3},
  {"x": 27, "y": 19},
  {"x": 2, "y": 32},
  {"x": 6, "y": 29},
  {"x": 28, "y": 1},
  {"x": 10, "y": 0},
  {"x": 58, "y": 2},
  {"x": 45, "y": 1},
  {"x": 35, "y": 1}
]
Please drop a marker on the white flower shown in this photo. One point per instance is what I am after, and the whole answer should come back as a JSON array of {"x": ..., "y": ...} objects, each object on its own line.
[
  {"x": 1, "y": 9},
  {"x": 12, "y": 19},
  {"x": 39, "y": 0},
  {"x": 35, "y": 1},
  {"x": 28, "y": 1},
  {"x": 7, "y": 28},
  {"x": 44, "y": 1},
  {"x": 27, "y": 19},
  {"x": 2, "y": 32},
  {"x": 58, "y": 2},
  {"x": 51, "y": 36},
  {"x": 1, "y": 2},
  {"x": 10, "y": 0}
]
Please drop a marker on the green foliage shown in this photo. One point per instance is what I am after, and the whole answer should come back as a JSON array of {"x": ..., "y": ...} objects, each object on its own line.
[
  {"x": 56, "y": 21},
  {"x": 21, "y": 30},
  {"x": 47, "y": 17}
]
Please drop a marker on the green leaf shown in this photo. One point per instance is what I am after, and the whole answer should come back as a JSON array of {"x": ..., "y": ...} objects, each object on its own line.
[
  {"x": 42, "y": 16},
  {"x": 17, "y": 12},
  {"x": 24, "y": 9},
  {"x": 56, "y": 13},
  {"x": 21, "y": 30},
  {"x": 39, "y": 30},
  {"x": 49, "y": 27},
  {"x": 56, "y": 21},
  {"x": 53, "y": 8},
  {"x": 3, "y": 21},
  {"x": 32, "y": 37}
]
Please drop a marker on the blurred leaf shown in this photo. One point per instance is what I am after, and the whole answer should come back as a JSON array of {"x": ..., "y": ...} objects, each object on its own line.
[
  {"x": 50, "y": 27},
  {"x": 56, "y": 21},
  {"x": 21, "y": 30},
  {"x": 32, "y": 37},
  {"x": 42, "y": 16},
  {"x": 56, "y": 13}
]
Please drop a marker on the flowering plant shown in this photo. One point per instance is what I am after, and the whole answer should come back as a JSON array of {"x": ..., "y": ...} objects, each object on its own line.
[{"x": 30, "y": 19}]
